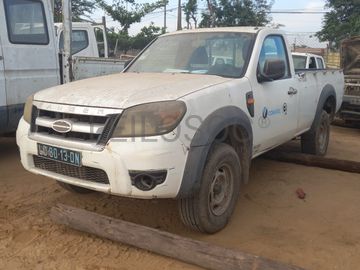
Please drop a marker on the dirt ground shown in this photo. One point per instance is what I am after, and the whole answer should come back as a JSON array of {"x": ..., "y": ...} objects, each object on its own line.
[{"x": 321, "y": 232}]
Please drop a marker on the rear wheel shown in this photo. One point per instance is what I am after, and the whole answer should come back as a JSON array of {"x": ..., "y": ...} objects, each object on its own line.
[
  {"x": 74, "y": 189},
  {"x": 316, "y": 141},
  {"x": 211, "y": 208}
]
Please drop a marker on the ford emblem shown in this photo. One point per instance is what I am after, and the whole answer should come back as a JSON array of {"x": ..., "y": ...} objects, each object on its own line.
[{"x": 62, "y": 126}]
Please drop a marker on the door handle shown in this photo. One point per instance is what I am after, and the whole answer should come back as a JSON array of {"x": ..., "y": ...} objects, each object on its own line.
[
  {"x": 301, "y": 75},
  {"x": 292, "y": 91}
]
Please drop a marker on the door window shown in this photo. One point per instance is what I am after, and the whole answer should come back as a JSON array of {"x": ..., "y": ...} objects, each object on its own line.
[
  {"x": 99, "y": 35},
  {"x": 26, "y": 22},
  {"x": 299, "y": 61},
  {"x": 320, "y": 63},
  {"x": 80, "y": 41},
  {"x": 274, "y": 49},
  {"x": 312, "y": 63}
]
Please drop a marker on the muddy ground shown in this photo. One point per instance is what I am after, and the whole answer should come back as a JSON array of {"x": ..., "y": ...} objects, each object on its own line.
[{"x": 321, "y": 232}]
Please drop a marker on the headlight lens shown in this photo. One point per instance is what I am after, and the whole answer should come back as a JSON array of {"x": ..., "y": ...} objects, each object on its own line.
[
  {"x": 150, "y": 119},
  {"x": 28, "y": 109}
]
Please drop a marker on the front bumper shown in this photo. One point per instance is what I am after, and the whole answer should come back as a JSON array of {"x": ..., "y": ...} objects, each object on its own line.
[
  {"x": 116, "y": 160},
  {"x": 350, "y": 108}
]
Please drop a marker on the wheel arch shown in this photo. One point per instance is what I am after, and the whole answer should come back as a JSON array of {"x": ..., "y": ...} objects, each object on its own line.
[
  {"x": 327, "y": 101},
  {"x": 228, "y": 124}
]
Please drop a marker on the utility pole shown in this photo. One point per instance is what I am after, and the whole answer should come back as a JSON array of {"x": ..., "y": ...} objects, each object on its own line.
[
  {"x": 165, "y": 2},
  {"x": 179, "y": 27},
  {"x": 106, "y": 49},
  {"x": 66, "y": 54}
]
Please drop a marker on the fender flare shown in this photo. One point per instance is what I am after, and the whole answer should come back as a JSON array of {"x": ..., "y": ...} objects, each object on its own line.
[
  {"x": 203, "y": 140},
  {"x": 326, "y": 92}
]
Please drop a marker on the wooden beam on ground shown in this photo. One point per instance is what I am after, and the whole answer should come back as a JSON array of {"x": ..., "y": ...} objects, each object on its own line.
[
  {"x": 315, "y": 161},
  {"x": 184, "y": 249}
]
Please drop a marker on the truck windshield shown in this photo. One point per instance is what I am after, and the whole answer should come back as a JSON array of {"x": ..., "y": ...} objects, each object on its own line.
[{"x": 221, "y": 54}]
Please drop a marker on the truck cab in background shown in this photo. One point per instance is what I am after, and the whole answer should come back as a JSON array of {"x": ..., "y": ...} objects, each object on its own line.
[
  {"x": 308, "y": 61},
  {"x": 88, "y": 40},
  {"x": 31, "y": 50},
  {"x": 28, "y": 59}
]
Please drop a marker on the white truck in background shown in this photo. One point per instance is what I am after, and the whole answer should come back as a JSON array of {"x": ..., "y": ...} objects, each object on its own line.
[
  {"x": 90, "y": 50},
  {"x": 88, "y": 39},
  {"x": 30, "y": 55},
  {"x": 308, "y": 61},
  {"x": 177, "y": 124}
]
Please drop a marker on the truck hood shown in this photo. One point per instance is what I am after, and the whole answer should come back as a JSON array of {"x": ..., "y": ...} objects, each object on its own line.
[{"x": 127, "y": 89}]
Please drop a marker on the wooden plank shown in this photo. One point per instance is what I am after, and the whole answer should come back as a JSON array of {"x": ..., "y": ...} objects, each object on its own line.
[
  {"x": 315, "y": 161},
  {"x": 184, "y": 249}
]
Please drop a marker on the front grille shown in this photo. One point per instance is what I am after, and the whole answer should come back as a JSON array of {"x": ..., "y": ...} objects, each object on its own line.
[
  {"x": 92, "y": 129},
  {"x": 83, "y": 173}
]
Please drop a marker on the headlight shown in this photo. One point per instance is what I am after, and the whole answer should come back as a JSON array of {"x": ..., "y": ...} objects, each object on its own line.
[
  {"x": 150, "y": 119},
  {"x": 28, "y": 109}
]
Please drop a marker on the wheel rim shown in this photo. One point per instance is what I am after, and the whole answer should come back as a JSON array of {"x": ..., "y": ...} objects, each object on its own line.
[
  {"x": 323, "y": 136},
  {"x": 221, "y": 190}
]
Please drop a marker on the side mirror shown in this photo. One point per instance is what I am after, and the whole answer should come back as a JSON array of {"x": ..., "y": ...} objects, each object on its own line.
[{"x": 274, "y": 69}]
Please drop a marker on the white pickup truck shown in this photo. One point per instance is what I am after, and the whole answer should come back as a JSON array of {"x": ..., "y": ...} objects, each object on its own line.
[
  {"x": 29, "y": 55},
  {"x": 177, "y": 124}
]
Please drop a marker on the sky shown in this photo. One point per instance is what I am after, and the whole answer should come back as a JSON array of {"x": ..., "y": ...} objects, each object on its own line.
[{"x": 304, "y": 23}]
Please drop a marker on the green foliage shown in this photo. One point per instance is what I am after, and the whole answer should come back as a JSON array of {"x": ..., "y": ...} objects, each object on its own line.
[
  {"x": 146, "y": 35},
  {"x": 237, "y": 13},
  {"x": 80, "y": 8},
  {"x": 137, "y": 42},
  {"x": 128, "y": 12},
  {"x": 341, "y": 22},
  {"x": 191, "y": 11}
]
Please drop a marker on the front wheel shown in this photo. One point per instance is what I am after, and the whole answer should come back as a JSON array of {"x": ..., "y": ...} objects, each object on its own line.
[
  {"x": 316, "y": 141},
  {"x": 210, "y": 209}
]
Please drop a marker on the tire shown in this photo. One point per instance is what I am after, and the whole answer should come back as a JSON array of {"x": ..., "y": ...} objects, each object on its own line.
[
  {"x": 74, "y": 189},
  {"x": 316, "y": 141},
  {"x": 211, "y": 208}
]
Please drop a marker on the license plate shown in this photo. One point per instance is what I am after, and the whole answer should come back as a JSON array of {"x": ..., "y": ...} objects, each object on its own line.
[{"x": 59, "y": 154}]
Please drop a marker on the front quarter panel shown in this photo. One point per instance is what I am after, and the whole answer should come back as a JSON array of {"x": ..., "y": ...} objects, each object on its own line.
[
  {"x": 209, "y": 112},
  {"x": 203, "y": 103}
]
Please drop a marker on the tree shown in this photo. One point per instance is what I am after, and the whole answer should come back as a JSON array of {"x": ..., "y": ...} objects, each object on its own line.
[
  {"x": 191, "y": 10},
  {"x": 146, "y": 35},
  {"x": 237, "y": 13},
  {"x": 127, "y": 12},
  {"x": 341, "y": 22},
  {"x": 80, "y": 8}
]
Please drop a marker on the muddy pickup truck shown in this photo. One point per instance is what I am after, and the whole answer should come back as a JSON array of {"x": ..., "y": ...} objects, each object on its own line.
[{"x": 182, "y": 121}]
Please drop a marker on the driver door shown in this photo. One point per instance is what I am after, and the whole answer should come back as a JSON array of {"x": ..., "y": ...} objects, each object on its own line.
[{"x": 276, "y": 115}]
